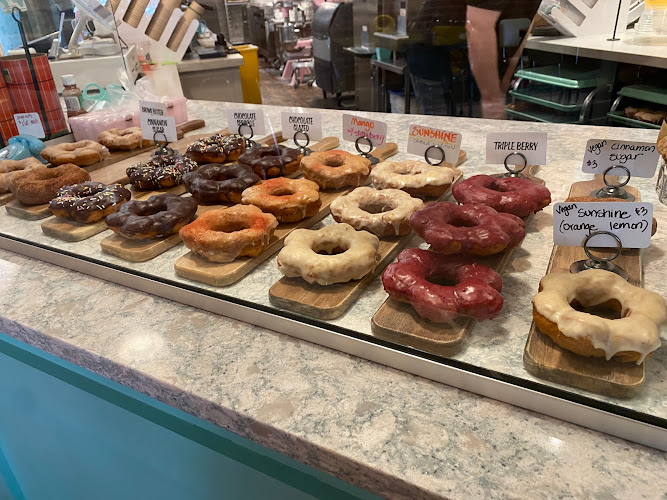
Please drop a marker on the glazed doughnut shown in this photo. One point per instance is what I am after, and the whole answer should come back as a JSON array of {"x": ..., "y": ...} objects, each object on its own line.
[
  {"x": 119, "y": 139},
  {"x": 511, "y": 195},
  {"x": 475, "y": 291},
  {"x": 591, "y": 199},
  {"x": 81, "y": 153},
  {"x": 289, "y": 200},
  {"x": 417, "y": 178},
  {"x": 222, "y": 235},
  {"x": 335, "y": 169},
  {"x": 40, "y": 186},
  {"x": 628, "y": 339},
  {"x": 333, "y": 254},
  {"x": 215, "y": 183},
  {"x": 89, "y": 201},
  {"x": 217, "y": 148},
  {"x": 9, "y": 169},
  {"x": 161, "y": 215},
  {"x": 161, "y": 171},
  {"x": 272, "y": 161},
  {"x": 469, "y": 229},
  {"x": 383, "y": 213}
]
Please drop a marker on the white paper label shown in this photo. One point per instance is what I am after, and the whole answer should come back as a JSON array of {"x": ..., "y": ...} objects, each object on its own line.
[
  {"x": 640, "y": 158},
  {"x": 245, "y": 118},
  {"x": 357, "y": 126},
  {"x": 533, "y": 145},
  {"x": 631, "y": 222},
  {"x": 29, "y": 124},
  {"x": 421, "y": 138},
  {"x": 308, "y": 123},
  {"x": 155, "y": 124}
]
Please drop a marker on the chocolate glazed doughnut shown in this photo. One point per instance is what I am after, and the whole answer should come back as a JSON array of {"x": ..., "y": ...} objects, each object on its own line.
[
  {"x": 272, "y": 161},
  {"x": 214, "y": 183},
  {"x": 89, "y": 201},
  {"x": 217, "y": 149}
]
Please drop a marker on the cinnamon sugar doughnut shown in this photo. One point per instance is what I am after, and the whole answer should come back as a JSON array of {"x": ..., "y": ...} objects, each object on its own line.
[
  {"x": 81, "y": 153},
  {"x": 123, "y": 139},
  {"x": 10, "y": 169},
  {"x": 40, "y": 186},
  {"x": 335, "y": 169},
  {"x": 289, "y": 200}
]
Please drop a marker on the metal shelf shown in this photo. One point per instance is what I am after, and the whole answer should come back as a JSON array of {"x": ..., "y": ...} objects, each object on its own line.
[
  {"x": 569, "y": 78},
  {"x": 543, "y": 117},
  {"x": 619, "y": 117},
  {"x": 541, "y": 101}
]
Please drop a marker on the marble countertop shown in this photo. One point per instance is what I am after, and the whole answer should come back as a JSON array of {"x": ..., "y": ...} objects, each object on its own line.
[
  {"x": 391, "y": 433},
  {"x": 231, "y": 61}
]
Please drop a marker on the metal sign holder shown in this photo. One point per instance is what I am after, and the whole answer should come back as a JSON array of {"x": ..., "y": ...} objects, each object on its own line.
[
  {"x": 597, "y": 262},
  {"x": 614, "y": 190}
]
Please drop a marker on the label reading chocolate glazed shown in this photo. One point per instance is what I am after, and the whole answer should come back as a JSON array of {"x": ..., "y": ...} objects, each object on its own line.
[
  {"x": 29, "y": 124},
  {"x": 358, "y": 126},
  {"x": 631, "y": 222},
  {"x": 640, "y": 158},
  {"x": 501, "y": 145},
  {"x": 245, "y": 118},
  {"x": 421, "y": 138},
  {"x": 155, "y": 124},
  {"x": 308, "y": 123}
]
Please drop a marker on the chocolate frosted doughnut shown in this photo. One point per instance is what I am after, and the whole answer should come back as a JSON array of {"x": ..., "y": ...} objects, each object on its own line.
[
  {"x": 160, "y": 215},
  {"x": 40, "y": 186},
  {"x": 161, "y": 171},
  {"x": 89, "y": 201},
  {"x": 217, "y": 149},
  {"x": 272, "y": 161},
  {"x": 214, "y": 183}
]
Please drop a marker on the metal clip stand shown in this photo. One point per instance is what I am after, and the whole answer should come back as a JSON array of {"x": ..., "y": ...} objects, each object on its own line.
[
  {"x": 515, "y": 172},
  {"x": 427, "y": 159},
  {"x": 661, "y": 185},
  {"x": 163, "y": 150},
  {"x": 249, "y": 143},
  {"x": 303, "y": 149},
  {"x": 595, "y": 262},
  {"x": 614, "y": 190},
  {"x": 366, "y": 154}
]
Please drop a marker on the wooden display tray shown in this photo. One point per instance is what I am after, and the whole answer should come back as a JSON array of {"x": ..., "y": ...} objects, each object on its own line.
[
  {"x": 6, "y": 197},
  {"x": 545, "y": 359}
]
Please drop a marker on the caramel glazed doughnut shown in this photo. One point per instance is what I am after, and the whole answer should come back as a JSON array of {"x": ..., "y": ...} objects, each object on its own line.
[
  {"x": 289, "y": 200},
  {"x": 40, "y": 186},
  {"x": 88, "y": 202},
  {"x": 81, "y": 153},
  {"x": 628, "y": 339},
  {"x": 335, "y": 169},
  {"x": 123, "y": 139},
  {"x": 383, "y": 213},
  {"x": 10, "y": 169},
  {"x": 417, "y": 178},
  {"x": 350, "y": 254}
]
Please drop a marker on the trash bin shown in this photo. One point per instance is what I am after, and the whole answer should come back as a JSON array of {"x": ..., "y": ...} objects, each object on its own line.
[{"x": 250, "y": 74}]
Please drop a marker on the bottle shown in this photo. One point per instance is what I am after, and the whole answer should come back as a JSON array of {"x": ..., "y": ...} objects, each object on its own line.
[{"x": 73, "y": 96}]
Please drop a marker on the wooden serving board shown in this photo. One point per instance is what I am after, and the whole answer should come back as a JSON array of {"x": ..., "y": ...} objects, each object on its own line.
[
  {"x": 6, "y": 197},
  {"x": 545, "y": 359},
  {"x": 27, "y": 212}
]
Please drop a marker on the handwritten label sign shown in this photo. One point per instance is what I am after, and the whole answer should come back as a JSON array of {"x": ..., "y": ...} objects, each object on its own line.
[
  {"x": 640, "y": 158},
  {"x": 357, "y": 126},
  {"x": 533, "y": 145},
  {"x": 421, "y": 138},
  {"x": 155, "y": 122},
  {"x": 246, "y": 117},
  {"x": 29, "y": 124},
  {"x": 631, "y": 222},
  {"x": 309, "y": 123}
]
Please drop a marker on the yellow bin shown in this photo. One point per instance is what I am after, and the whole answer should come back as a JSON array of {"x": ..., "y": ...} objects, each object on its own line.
[{"x": 250, "y": 74}]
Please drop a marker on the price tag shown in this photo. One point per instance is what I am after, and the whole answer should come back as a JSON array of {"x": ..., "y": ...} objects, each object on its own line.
[
  {"x": 29, "y": 124},
  {"x": 243, "y": 118},
  {"x": 155, "y": 122},
  {"x": 640, "y": 158},
  {"x": 356, "y": 126},
  {"x": 533, "y": 145},
  {"x": 310, "y": 123},
  {"x": 421, "y": 138},
  {"x": 631, "y": 222}
]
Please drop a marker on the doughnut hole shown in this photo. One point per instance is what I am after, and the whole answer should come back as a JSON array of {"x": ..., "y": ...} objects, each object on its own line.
[
  {"x": 611, "y": 309},
  {"x": 282, "y": 192},
  {"x": 376, "y": 207},
  {"x": 230, "y": 226},
  {"x": 404, "y": 170},
  {"x": 334, "y": 161},
  {"x": 145, "y": 210},
  {"x": 331, "y": 247},
  {"x": 441, "y": 280},
  {"x": 461, "y": 222}
]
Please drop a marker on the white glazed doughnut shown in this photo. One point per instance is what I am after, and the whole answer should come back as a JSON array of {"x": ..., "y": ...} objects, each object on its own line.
[
  {"x": 383, "y": 213},
  {"x": 358, "y": 254},
  {"x": 416, "y": 178}
]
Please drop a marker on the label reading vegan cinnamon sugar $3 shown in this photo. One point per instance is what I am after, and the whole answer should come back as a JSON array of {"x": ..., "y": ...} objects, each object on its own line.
[
  {"x": 640, "y": 158},
  {"x": 358, "y": 126},
  {"x": 422, "y": 138}
]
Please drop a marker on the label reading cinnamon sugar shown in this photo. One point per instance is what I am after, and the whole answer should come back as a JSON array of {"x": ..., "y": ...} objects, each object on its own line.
[{"x": 640, "y": 158}]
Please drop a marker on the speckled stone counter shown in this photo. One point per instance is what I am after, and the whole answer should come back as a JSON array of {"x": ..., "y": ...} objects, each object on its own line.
[{"x": 391, "y": 433}]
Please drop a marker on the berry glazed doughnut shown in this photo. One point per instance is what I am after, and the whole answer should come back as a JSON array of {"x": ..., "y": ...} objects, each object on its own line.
[
  {"x": 161, "y": 171},
  {"x": 335, "y": 169},
  {"x": 289, "y": 200},
  {"x": 470, "y": 229},
  {"x": 123, "y": 139},
  {"x": 417, "y": 178},
  {"x": 272, "y": 161},
  {"x": 161, "y": 215},
  {"x": 475, "y": 291},
  {"x": 383, "y": 213},
  {"x": 511, "y": 195},
  {"x": 629, "y": 339},
  {"x": 222, "y": 235},
  {"x": 215, "y": 183},
  {"x": 217, "y": 148},
  {"x": 10, "y": 169},
  {"x": 81, "y": 153},
  {"x": 40, "y": 186},
  {"x": 332, "y": 254},
  {"x": 88, "y": 202}
]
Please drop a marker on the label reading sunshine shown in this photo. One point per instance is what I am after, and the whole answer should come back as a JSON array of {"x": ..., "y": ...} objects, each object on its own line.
[
  {"x": 245, "y": 118},
  {"x": 421, "y": 138},
  {"x": 358, "y": 126},
  {"x": 631, "y": 222},
  {"x": 640, "y": 158}
]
